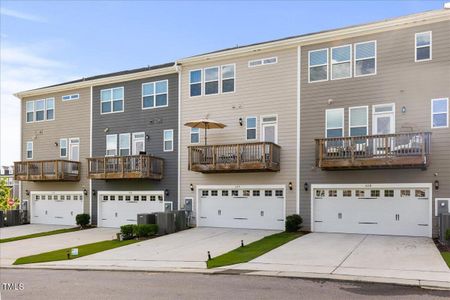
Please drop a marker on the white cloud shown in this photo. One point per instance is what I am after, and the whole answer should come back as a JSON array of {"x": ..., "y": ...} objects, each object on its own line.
[
  {"x": 23, "y": 68},
  {"x": 20, "y": 15}
]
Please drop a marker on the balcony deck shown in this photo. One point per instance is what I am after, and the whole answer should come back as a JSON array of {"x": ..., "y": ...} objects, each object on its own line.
[
  {"x": 47, "y": 170},
  {"x": 126, "y": 167},
  {"x": 389, "y": 151},
  {"x": 247, "y": 157}
]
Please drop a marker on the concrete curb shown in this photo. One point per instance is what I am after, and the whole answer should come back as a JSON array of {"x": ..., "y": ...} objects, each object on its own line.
[{"x": 426, "y": 284}]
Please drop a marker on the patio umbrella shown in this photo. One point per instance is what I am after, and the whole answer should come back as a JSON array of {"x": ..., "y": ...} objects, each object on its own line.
[{"x": 205, "y": 124}]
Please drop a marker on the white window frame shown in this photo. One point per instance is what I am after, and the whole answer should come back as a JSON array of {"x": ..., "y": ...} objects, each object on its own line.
[
  {"x": 70, "y": 97},
  {"x": 26, "y": 112},
  {"x": 341, "y": 62},
  {"x": 112, "y": 100},
  {"x": 256, "y": 127},
  {"x": 262, "y": 62},
  {"x": 219, "y": 81},
  {"x": 268, "y": 123},
  {"x": 32, "y": 150},
  {"x": 44, "y": 110},
  {"x": 134, "y": 139},
  {"x": 169, "y": 140},
  {"x": 435, "y": 113},
  {"x": 359, "y": 59},
  {"x": 54, "y": 109},
  {"x": 309, "y": 65},
  {"x": 431, "y": 46},
  {"x": 128, "y": 135},
  {"x": 155, "y": 94},
  {"x": 350, "y": 119},
  {"x": 115, "y": 149},
  {"x": 191, "y": 133},
  {"x": 61, "y": 147},
  {"x": 200, "y": 82},
  {"x": 222, "y": 79},
  {"x": 326, "y": 121}
]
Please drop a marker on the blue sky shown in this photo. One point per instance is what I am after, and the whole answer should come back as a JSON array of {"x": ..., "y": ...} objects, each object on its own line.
[{"x": 46, "y": 42}]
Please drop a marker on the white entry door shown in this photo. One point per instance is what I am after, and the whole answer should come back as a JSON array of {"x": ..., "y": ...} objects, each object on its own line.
[
  {"x": 383, "y": 122},
  {"x": 395, "y": 209},
  {"x": 74, "y": 149},
  {"x": 138, "y": 143},
  {"x": 56, "y": 208},
  {"x": 253, "y": 207}
]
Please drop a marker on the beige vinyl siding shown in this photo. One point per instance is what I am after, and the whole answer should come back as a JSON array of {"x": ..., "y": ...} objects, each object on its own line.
[
  {"x": 399, "y": 80},
  {"x": 72, "y": 120},
  {"x": 263, "y": 90}
]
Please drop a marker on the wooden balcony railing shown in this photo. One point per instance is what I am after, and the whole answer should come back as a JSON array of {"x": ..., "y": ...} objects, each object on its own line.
[
  {"x": 126, "y": 167},
  {"x": 248, "y": 157},
  {"x": 402, "y": 150},
  {"x": 47, "y": 170}
]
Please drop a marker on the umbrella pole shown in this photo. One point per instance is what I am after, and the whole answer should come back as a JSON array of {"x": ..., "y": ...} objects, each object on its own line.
[{"x": 206, "y": 136}]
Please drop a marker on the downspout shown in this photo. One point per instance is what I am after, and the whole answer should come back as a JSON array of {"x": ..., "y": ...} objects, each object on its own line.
[{"x": 178, "y": 70}]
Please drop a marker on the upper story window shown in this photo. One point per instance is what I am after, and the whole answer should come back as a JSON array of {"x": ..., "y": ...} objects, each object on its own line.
[
  {"x": 365, "y": 58},
  {"x": 262, "y": 62},
  {"x": 334, "y": 122},
  {"x": 112, "y": 100},
  {"x": 318, "y": 65},
  {"x": 111, "y": 145},
  {"x": 63, "y": 147},
  {"x": 50, "y": 109},
  {"x": 341, "y": 62},
  {"x": 168, "y": 140},
  {"x": 39, "y": 110},
  {"x": 439, "y": 113},
  {"x": 423, "y": 46},
  {"x": 358, "y": 120},
  {"x": 70, "y": 97},
  {"x": 124, "y": 144},
  {"x": 212, "y": 81},
  {"x": 228, "y": 79},
  {"x": 29, "y": 150},
  {"x": 195, "y": 135},
  {"x": 251, "y": 128},
  {"x": 195, "y": 83},
  {"x": 155, "y": 94},
  {"x": 30, "y": 111}
]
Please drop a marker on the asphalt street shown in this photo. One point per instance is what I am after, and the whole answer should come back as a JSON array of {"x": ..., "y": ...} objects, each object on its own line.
[{"x": 67, "y": 284}]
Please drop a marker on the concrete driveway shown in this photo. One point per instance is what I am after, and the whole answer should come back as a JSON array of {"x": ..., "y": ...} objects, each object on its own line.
[
  {"x": 11, "y": 251},
  {"x": 184, "y": 250},
  {"x": 357, "y": 255},
  {"x": 14, "y": 231}
]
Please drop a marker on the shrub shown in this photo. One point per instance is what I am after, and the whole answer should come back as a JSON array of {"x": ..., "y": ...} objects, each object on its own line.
[
  {"x": 447, "y": 235},
  {"x": 83, "y": 220},
  {"x": 293, "y": 223},
  {"x": 145, "y": 230},
  {"x": 127, "y": 231}
]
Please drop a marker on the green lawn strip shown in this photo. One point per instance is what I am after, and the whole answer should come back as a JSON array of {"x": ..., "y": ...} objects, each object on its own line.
[
  {"x": 446, "y": 257},
  {"x": 253, "y": 250},
  {"x": 39, "y": 234},
  {"x": 83, "y": 250}
]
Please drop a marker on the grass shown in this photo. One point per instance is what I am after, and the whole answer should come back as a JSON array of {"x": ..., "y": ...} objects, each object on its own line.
[
  {"x": 40, "y": 234},
  {"x": 83, "y": 250},
  {"x": 253, "y": 250},
  {"x": 446, "y": 257}
]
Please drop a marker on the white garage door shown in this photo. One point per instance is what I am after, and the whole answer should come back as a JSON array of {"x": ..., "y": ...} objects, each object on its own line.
[
  {"x": 58, "y": 208},
  {"x": 243, "y": 207},
  {"x": 121, "y": 208},
  {"x": 373, "y": 209}
]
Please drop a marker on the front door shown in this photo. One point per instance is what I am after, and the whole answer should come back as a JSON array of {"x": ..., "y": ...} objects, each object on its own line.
[
  {"x": 138, "y": 143},
  {"x": 383, "y": 122},
  {"x": 74, "y": 149}
]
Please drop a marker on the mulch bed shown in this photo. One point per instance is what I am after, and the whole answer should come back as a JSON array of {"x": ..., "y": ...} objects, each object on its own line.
[{"x": 441, "y": 247}]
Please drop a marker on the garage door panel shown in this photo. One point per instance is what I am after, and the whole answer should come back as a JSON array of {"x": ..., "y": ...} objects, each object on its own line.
[
  {"x": 395, "y": 211},
  {"x": 56, "y": 208}
]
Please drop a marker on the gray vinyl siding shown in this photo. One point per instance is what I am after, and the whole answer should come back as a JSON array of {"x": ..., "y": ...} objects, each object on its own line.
[
  {"x": 134, "y": 119},
  {"x": 399, "y": 80}
]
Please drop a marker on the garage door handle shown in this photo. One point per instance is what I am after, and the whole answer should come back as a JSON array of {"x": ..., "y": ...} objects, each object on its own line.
[{"x": 240, "y": 218}]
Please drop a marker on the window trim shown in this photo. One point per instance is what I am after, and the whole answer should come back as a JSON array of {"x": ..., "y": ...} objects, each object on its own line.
[
  {"x": 342, "y": 62},
  {"x": 44, "y": 110},
  {"x": 262, "y": 62},
  {"x": 32, "y": 150},
  {"x": 256, "y": 128},
  {"x": 155, "y": 94},
  {"x": 375, "y": 57},
  {"x": 54, "y": 109},
  {"x": 71, "y": 97},
  {"x": 171, "y": 140},
  {"x": 219, "y": 80},
  {"x": 433, "y": 113},
  {"x": 190, "y": 136},
  {"x": 129, "y": 143},
  {"x": 67, "y": 147},
  {"x": 343, "y": 121},
  {"x": 350, "y": 119},
  {"x": 106, "y": 148},
  {"x": 201, "y": 83},
  {"x": 431, "y": 46},
  {"x": 26, "y": 111},
  {"x": 222, "y": 79},
  {"x": 112, "y": 100},
  {"x": 309, "y": 65}
]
